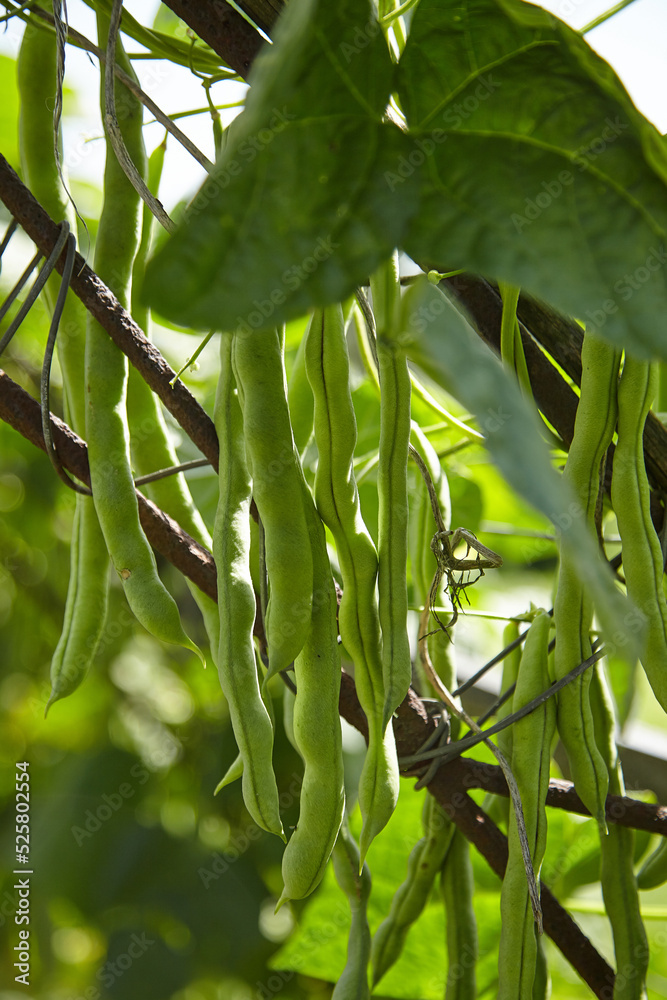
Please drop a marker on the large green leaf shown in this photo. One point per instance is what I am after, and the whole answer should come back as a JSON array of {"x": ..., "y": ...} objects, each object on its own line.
[
  {"x": 436, "y": 337},
  {"x": 535, "y": 167},
  {"x": 297, "y": 211}
]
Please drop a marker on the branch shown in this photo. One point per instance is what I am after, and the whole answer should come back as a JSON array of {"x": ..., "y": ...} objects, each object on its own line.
[
  {"x": 224, "y": 29},
  {"x": 619, "y": 809},
  {"x": 105, "y": 308}
]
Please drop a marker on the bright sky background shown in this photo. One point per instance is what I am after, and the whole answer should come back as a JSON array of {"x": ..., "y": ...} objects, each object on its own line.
[{"x": 633, "y": 41}]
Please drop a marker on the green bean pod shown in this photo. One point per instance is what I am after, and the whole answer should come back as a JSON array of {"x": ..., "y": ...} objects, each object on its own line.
[
  {"x": 619, "y": 886},
  {"x": 393, "y": 524},
  {"x": 630, "y": 496},
  {"x": 317, "y": 731},
  {"x": 300, "y": 399},
  {"x": 573, "y": 608},
  {"x": 150, "y": 443},
  {"x": 654, "y": 870},
  {"x": 237, "y": 666},
  {"x": 457, "y": 886},
  {"x": 86, "y": 604},
  {"x": 355, "y": 881},
  {"x": 235, "y": 769},
  {"x": 106, "y": 389},
  {"x": 288, "y": 715},
  {"x": 542, "y": 981},
  {"x": 423, "y": 562},
  {"x": 232, "y": 774},
  {"x": 424, "y": 864},
  {"x": 392, "y": 480},
  {"x": 276, "y": 488},
  {"x": 531, "y": 758},
  {"x": 498, "y": 806},
  {"x": 337, "y": 500}
]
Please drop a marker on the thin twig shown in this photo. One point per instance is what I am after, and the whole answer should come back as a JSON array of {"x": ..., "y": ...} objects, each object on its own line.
[
  {"x": 113, "y": 128},
  {"x": 40, "y": 281},
  {"x": 173, "y": 470}
]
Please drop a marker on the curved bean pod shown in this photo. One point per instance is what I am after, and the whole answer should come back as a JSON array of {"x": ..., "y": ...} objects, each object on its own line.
[
  {"x": 150, "y": 443},
  {"x": 276, "y": 488},
  {"x": 573, "y": 609},
  {"x": 393, "y": 524},
  {"x": 317, "y": 731},
  {"x": 424, "y": 864},
  {"x": 300, "y": 399},
  {"x": 106, "y": 386},
  {"x": 392, "y": 480},
  {"x": 237, "y": 666},
  {"x": 355, "y": 881},
  {"x": 86, "y": 604},
  {"x": 233, "y": 773},
  {"x": 654, "y": 870},
  {"x": 531, "y": 758},
  {"x": 630, "y": 496},
  {"x": 498, "y": 806},
  {"x": 337, "y": 500},
  {"x": 457, "y": 886}
]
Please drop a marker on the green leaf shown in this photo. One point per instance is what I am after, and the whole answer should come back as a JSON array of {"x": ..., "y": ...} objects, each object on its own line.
[
  {"x": 436, "y": 337},
  {"x": 535, "y": 167},
  {"x": 297, "y": 212}
]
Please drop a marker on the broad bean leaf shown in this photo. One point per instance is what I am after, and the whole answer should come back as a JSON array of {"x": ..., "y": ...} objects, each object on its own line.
[
  {"x": 437, "y": 338},
  {"x": 535, "y": 167},
  {"x": 297, "y": 211}
]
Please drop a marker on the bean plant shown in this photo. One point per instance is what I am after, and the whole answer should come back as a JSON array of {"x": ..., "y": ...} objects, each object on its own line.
[{"x": 406, "y": 278}]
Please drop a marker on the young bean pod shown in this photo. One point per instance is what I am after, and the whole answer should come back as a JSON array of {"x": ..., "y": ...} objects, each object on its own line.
[
  {"x": 531, "y": 757},
  {"x": 573, "y": 608},
  {"x": 317, "y": 730},
  {"x": 276, "y": 489},
  {"x": 457, "y": 887},
  {"x": 150, "y": 442},
  {"x": 654, "y": 870},
  {"x": 424, "y": 864},
  {"x": 86, "y": 605},
  {"x": 337, "y": 500},
  {"x": 393, "y": 524},
  {"x": 630, "y": 496},
  {"x": 619, "y": 886},
  {"x": 237, "y": 666},
  {"x": 106, "y": 387},
  {"x": 300, "y": 399},
  {"x": 355, "y": 881},
  {"x": 498, "y": 806},
  {"x": 395, "y": 390}
]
